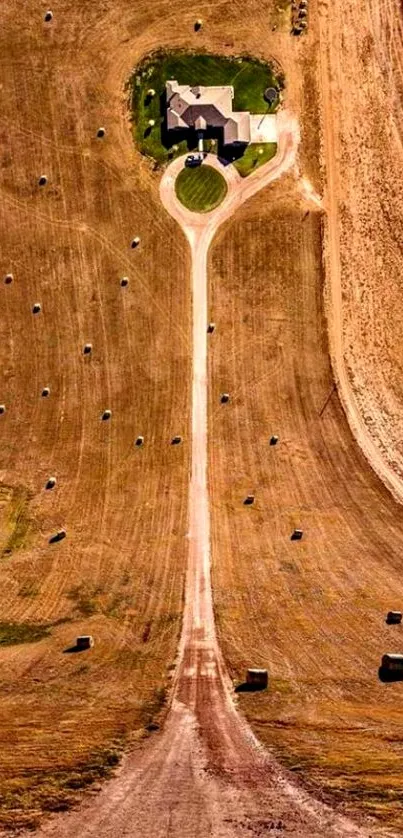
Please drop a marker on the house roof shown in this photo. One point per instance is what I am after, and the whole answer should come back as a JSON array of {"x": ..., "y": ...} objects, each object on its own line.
[{"x": 191, "y": 107}]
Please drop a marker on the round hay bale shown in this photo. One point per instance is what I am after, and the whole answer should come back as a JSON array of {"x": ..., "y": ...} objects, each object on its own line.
[
  {"x": 176, "y": 440},
  {"x": 273, "y": 440},
  {"x": 249, "y": 500},
  {"x": 45, "y": 392},
  {"x": 139, "y": 441},
  {"x": 101, "y": 133},
  {"x": 8, "y": 279},
  {"x": 50, "y": 483},
  {"x": 48, "y": 16},
  {"x": 2, "y": 409},
  {"x": 224, "y": 399},
  {"x": 124, "y": 281},
  {"x": 198, "y": 24},
  {"x": 393, "y": 618},
  {"x": 151, "y": 123},
  {"x": 42, "y": 180},
  {"x": 135, "y": 242},
  {"x": 36, "y": 308},
  {"x": 210, "y": 328},
  {"x": 151, "y": 93},
  {"x": 106, "y": 415},
  {"x": 84, "y": 641},
  {"x": 87, "y": 349}
]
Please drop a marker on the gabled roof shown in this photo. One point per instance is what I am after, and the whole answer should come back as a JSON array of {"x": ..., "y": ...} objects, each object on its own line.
[{"x": 190, "y": 107}]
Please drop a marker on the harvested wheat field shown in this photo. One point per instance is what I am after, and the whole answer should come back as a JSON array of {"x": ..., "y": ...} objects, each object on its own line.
[
  {"x": 360, "y": 75},
  {"x": 312, "y": 611},
  {"x": 89, "y": 256},
  {"x": 119, "y": 572}
]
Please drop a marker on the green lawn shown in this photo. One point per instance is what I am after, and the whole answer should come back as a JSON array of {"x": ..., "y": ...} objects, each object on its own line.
[
  {"x": 200, "y": 189},
  {"x": 254, "y": 156},
  {"x": 248, "y": 76}
]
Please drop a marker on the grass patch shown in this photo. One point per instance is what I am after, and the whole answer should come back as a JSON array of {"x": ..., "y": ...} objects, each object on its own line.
[
  {"x": 13, "y": 633},
  {"x": 248, "y": 76},
  {"x": 14, "y": 519},
  {"x": 86, "y": 600},
  {"x": 281, "y": 15},
  {"x": 254, "y": 156},
  {"x": 23, "y": 801},
  {"x": 200, "y": 189}
]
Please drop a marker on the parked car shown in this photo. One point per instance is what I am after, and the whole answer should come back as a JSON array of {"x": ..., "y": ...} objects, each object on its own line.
[{"x": 193, "y": 160}]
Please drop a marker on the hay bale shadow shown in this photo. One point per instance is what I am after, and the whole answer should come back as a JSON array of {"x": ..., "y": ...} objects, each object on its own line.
[
  {"x": 245, "y": 687},
  {"x": 388, "y": 676},
  {"x": 72, "y": 650},
  {"x": 58, "y": 536}
]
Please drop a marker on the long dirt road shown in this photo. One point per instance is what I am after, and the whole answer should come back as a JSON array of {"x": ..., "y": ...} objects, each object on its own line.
[{"x": 205, "y": 774}]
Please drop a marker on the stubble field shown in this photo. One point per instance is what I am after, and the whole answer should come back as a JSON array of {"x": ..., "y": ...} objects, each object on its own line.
[{"x": 313, "y": 612}]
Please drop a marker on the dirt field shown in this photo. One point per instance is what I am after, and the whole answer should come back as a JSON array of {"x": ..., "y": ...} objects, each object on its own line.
[{"x": 312, "y": 611}]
